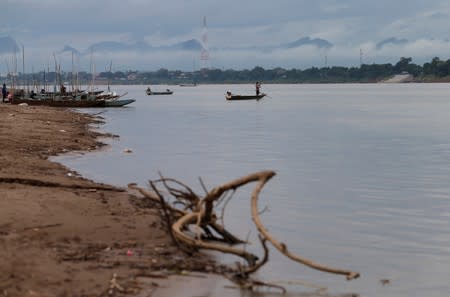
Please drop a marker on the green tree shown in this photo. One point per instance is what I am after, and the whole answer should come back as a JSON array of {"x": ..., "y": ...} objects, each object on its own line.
[
  {"x": 402, "y": 65},
  {"x": 257, "y": 73},
  {"x": 162, "y": 73}
]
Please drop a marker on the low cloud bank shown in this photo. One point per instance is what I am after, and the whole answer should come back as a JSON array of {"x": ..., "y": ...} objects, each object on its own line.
[{"x": 42, "y": 58}]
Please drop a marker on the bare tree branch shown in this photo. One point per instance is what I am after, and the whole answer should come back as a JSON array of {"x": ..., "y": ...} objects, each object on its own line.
[
  {"x": 264, "y": 178},
  {"x": 193, "y": 224},
  {"x": 191, "y": 218}
]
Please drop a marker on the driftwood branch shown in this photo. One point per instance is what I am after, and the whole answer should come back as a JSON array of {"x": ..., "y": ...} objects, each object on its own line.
[
  {"x": 254, "y": 268},
  {"x": 264, "y": 177},
  {"x": 154, "y": 198},
  {"x": 193, "y": 223},
  {"x": 166, "y": 213},
  {"x": 191, "y": 218}
]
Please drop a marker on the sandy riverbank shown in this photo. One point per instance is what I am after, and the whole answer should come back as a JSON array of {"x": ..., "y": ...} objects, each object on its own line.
[
  {"x": 64, "y": 235},
  {"x": 61, "y": 234}
]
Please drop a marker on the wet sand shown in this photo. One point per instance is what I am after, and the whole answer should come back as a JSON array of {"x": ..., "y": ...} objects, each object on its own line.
[{"x": 64, "y": 235}]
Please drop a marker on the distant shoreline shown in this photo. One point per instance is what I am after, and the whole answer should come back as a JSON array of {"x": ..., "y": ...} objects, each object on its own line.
[
  {"x": 413, "y": 80},
  {"x": 436, "y": 70}
]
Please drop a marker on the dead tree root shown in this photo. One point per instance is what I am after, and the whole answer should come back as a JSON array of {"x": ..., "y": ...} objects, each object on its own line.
[{"x": 192, "y": 223}]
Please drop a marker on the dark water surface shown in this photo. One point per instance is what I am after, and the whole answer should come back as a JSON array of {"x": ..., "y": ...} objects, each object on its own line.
[{"x": 363, "y": 173}]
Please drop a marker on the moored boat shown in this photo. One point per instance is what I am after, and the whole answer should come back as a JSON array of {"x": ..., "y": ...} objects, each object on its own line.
[
  {"x": 118, "y": 102},
  {"x": 73, "y": 103},
  {"x": 60, "y": 102},
  {"x": 74, "y": 99}
]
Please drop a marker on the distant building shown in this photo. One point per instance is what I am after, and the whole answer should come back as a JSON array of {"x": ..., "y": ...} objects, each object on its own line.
[
  {"x": 132, "y": 76},
  {"x": 403, "y": 77}
]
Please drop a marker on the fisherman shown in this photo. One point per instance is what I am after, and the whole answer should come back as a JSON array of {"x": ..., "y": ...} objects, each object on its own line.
[
  {"x": 4, "y": 93},
  {"x": 258, "y": 87},
  {"x": 149, "y": 91}
]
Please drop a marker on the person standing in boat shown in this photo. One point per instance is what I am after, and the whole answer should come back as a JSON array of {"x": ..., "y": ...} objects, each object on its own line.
[
  {"x": 4, "y": 93},
  {"x": 258, "y": 87}
]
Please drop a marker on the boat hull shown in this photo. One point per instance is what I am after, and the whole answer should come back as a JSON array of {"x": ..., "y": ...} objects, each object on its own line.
[
  {"x": 244, "y": 97},
  {"x": 75, "y": 103},
  {"x": 60, "y": 103},
  {"x": 118, "y": 102},
  {"x": 160, "y": 93}
]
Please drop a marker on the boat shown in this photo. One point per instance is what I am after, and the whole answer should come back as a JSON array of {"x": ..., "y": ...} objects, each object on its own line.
[
  {"x": 188, "y": 85},
  {"x": 230, "y": 96},
  {"x": 166, "y": 92},
  {"x": 60, "y": 102},
  {"x": 118, "y": 102},
  {"x": 83, "y": 100},
  {"x": 160, "y": 93},
  {"x": 73, "y": 103}
]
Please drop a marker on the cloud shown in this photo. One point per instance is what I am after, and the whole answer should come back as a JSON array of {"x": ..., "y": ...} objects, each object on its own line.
[
  {"x": 46, "y": 26},
  {"x": 421, "y": 51},
  {"x": 306, "y": 56},
  {"x": 333, "y": 7},
  {"x": 429, "y": 24}
]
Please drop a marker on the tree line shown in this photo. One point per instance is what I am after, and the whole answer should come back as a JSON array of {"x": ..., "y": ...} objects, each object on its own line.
[{"x": 435, "y": 70}]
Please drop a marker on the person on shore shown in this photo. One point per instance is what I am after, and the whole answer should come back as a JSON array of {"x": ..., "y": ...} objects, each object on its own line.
[
  {"x": 258, "y": 87},
  {"x": 4, "y": 93},
  {"x": 62, "y": 89}
]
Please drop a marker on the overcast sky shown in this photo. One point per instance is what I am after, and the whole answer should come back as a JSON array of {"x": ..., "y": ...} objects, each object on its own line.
[{"x": 44, "y": 27}]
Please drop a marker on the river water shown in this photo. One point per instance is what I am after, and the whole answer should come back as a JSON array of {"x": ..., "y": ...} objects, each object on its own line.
[{"x": 363, "y": 173}]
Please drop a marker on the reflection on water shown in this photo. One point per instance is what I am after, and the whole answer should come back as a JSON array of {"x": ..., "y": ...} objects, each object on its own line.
[{"x": 362, "y": 173}]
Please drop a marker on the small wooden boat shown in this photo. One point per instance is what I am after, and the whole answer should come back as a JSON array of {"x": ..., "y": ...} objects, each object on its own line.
[
  {"x": 118, "y": 102},
  {"x": 166, "y": 92},
  {"x": 230, "y": 96}
]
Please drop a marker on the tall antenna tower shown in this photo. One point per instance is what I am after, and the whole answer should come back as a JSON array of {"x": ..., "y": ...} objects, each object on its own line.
[
  {"x": 204, "y": 55},
  {"x": 360, "y": 57}
]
